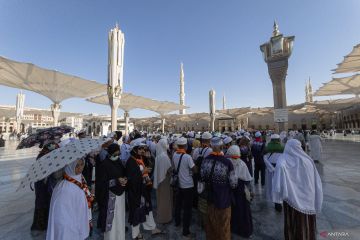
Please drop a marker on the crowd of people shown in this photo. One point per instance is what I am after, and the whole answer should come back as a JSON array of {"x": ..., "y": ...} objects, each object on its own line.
[{"x": 208, "y": 174}]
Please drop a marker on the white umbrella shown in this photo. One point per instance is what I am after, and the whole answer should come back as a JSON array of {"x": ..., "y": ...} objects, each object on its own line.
[{"x": 59, "y": 158}]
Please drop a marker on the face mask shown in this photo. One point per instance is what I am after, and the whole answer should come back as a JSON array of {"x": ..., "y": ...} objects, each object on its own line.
[{"x": 114, "y": 158}]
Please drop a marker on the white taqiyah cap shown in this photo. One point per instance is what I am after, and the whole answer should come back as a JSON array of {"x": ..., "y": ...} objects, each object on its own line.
[
  {"x": 206, "y": 135},
  {"x": 191, "y": 135},
  {"x": 227, "y": 140},
  {"x": 216, "y": 141},
  {"x": 258, "y": 134},
  {"x": 234, "y": 150},
  {"x": 181, "y": 141},
  {"x": 275, "y": 136},
  {"x": 137, "y": 142}
]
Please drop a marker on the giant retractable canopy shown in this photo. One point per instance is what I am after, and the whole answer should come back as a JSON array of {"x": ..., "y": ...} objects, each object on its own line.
[
  {"x": 351, "y": 62},
  {"x": 130, "y": 101},
  {"x": 55, "y": 85},
  {"x": 340, "y": 86},
  {"x": 336, "y": 104}
]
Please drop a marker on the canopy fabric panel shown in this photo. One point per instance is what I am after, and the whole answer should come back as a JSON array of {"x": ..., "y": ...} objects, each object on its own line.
[
  {"x": 351, "y": 62},
  {"x": 127, "y": 103},
  {"x": 130, "y": 101},
  {"x": 55, "y": 85},
  {"x": 339, "y": 86},
  {"x": 336, "y": 104}
]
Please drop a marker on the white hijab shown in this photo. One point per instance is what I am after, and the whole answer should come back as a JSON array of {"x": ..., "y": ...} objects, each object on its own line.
[
  {"x": 241, "y": 170},
  {"x": 297, "y": 181},
  {"x": 162, "y": 162},
  {"x": 69, "y": 213}
]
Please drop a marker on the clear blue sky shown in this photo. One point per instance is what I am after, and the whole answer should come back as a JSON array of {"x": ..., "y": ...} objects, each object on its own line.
[{"x": 218, "y": 42}]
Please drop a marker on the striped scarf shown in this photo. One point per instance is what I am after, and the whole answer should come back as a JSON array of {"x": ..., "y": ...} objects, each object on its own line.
[
  {"x": 83, "y": 186},
  {"x": 181, "y": 151}
]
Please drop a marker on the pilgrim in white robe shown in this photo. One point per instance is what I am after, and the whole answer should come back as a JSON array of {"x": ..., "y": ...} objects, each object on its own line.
[
  {"x": 270, "y": 160},
  {"x": 69, "y": 213},
  {"x": 164, "y": 197},
  {"x": 297, "y": 184},
  {"x": 315, "y": 147}
]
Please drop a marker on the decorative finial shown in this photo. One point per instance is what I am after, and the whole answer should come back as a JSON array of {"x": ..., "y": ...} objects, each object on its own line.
[
  {"x": 276, "y": 31},
  {"x": 116, "y": 25}
]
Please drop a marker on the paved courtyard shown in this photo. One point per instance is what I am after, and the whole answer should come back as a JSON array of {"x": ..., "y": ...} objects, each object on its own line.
[{"x": 339, "y": 170}]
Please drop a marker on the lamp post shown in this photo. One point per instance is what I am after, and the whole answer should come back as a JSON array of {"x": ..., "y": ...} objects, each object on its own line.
[
  {"x": 276, "y": 53},
  {"x": 115, "y": 72}
]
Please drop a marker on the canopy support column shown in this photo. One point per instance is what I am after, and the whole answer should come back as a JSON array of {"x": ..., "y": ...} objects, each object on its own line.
[
  {"x": 163, "y": 124},
  {"x": 55, "y": 110},
  {"x": 114, "y": 104},
  {"x": 212, "y": 122}
]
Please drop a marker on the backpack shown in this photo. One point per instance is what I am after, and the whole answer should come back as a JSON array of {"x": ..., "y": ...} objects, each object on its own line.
[
  {"x": 201, "y": 157},
  {"x": 175, "y": 183}
]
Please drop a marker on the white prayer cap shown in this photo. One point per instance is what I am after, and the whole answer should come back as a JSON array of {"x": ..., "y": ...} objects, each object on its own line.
[
  {"x": 197, "y": 136},
  {"x": 258, "y": 134},
  {"x": 206, "y": 136},
  {"x": 137, "y": 142},
  {"x": 191, "y": 135},
  {"x": 241, "y": 131},
  {"x": 181, "y": 141},
  {"x": 275, "y": 136},
  {"x": 246, "y": 134},
  {"x": 216, "y": 141},
  {"x": 234, "y": 150},
  {"x": 227, "y": 140}
]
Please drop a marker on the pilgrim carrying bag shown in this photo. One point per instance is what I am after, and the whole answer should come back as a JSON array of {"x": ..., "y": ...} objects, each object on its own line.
[
  {"x": 200, "y": 186},
  {"x": 207, "y": 193},
  {"x": 174, "y": 183}
]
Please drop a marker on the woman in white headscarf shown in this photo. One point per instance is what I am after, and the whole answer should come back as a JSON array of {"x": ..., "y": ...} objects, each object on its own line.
[
  {"x": 162, "y": 173},
  {"x": 241, "y": 219},
  {"x": 70, "y": 207},
  {"x": 297, "y": 184}
]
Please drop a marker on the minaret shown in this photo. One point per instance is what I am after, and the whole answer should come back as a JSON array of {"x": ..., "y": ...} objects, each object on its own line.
[
  {"x": 310, "y": 92},
  {"x": 212, "y": 109},
  {"x": 224, "y": 102},
  {"x": 182, "y": 89},
  {"x": 20, "y": 101},
  {"x": 306, "y": 92}
]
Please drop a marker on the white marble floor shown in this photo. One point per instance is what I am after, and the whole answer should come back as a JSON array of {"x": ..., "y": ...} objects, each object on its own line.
[{"x": 339, "y": 170}]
